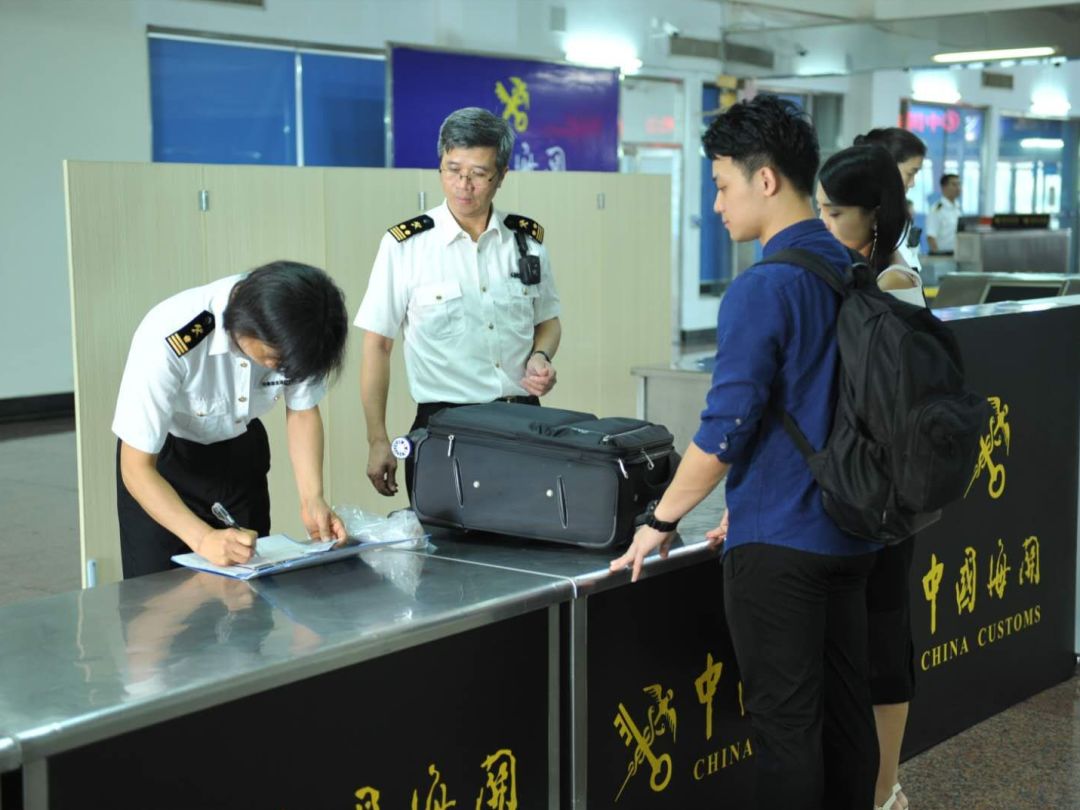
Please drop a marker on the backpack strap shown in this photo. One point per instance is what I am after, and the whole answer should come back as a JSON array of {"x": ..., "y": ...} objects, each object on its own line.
[
  {"x": 805, "y": 448},
  {"x": 808, "y": 260},
  {"x": 823, "y": 269}
]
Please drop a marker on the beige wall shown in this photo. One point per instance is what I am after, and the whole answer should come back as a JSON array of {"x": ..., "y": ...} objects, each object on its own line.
[{"x": 136, "y": 235}]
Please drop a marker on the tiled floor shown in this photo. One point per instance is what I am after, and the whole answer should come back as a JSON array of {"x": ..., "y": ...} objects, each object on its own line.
[
  {"x": 1027, "y": 758},
  {"x": 39, "y": 550}
]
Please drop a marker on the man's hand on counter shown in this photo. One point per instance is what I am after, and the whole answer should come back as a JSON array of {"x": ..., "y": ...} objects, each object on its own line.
[
  {"x": 719, "y": 534},
  {"x": 646, "y": 541}
]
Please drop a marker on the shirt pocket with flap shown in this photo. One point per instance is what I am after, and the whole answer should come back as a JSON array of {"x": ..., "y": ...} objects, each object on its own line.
[
  {"x": 520, "y": 307},
  {"x": 203, "y": 416},
  {"x": 437, "y": 310}
]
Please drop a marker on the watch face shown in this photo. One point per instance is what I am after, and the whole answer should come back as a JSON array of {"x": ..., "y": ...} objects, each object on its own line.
[{"x": 401, "y": 447}]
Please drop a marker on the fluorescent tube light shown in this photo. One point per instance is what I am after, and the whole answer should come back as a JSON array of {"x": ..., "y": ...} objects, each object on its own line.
[
  {"x": 990, "y": 56},
  {"x": 1042, "y": 143}
]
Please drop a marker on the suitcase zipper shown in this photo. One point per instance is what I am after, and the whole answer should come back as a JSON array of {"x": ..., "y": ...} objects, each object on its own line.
[
  {"x": 605, "y": 450},
  {"x": 606, "y": 438},
  {"x": 582, "y": 452}
]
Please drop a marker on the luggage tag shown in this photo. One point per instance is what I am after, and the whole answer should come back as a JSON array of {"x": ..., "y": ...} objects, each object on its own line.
[{"x": 401, "y": 447}]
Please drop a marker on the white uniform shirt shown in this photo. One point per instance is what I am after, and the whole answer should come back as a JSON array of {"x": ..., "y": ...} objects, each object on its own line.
[
  {"x": 208, "y": 393},
  {"x": 468, "y": 325},
  {"x": 941, "y": 223}
]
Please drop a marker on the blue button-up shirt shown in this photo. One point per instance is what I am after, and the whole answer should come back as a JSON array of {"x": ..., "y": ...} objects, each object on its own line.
[{"x": 776, "y": 352}]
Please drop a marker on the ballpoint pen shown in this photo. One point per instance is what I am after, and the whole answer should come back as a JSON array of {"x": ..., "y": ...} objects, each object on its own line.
[{"x": 222, "y": 514}]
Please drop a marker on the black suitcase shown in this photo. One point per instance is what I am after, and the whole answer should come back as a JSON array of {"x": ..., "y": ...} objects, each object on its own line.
[{"x": 540, "y": 473}]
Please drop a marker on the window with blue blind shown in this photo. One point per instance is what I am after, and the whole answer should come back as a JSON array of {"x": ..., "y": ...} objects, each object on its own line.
[
  {"x": 344, "y": 108},
  {"x": 225, "y": 103}
]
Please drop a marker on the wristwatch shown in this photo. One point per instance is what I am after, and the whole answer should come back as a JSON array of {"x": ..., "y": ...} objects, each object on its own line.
[
  {"x": 652, "y": 521},
  {"x": 541, "y": 351}
]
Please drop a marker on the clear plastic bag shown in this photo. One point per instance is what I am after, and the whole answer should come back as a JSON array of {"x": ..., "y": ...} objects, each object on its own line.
[{"x": 400, "y": 525}]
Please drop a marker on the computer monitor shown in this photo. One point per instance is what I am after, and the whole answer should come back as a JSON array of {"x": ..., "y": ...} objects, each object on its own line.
[
  {"x": 1021, "y": 291},
  {"x": 963, "y": 289}
]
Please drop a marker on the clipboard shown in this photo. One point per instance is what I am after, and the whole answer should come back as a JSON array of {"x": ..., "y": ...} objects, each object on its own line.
[{"x": 277, "y": 553}]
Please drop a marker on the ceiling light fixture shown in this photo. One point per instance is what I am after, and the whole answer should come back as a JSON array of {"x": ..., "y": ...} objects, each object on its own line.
[
  {"x": 605, "y": 53},
  {"x": 935, "y": 86},
  {"x": 992, "y": 56},
  {"x": 1050, "y": 101}
]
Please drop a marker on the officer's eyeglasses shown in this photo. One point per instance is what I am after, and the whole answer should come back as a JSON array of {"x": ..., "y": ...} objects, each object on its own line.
[{"x": 476, "y": 179}]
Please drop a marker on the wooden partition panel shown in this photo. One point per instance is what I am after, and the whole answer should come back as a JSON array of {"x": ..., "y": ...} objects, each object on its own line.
[
  {"x": 137, "y": 235},
  {"x": 360, "y": 205}
]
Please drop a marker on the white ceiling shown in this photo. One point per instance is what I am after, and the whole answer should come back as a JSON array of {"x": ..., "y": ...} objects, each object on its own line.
[{"x": 826, "y": 47}]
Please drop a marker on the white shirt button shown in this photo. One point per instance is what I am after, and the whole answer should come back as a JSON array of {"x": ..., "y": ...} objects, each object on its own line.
[
  {"x": 491, "y": 326},
  {"x": 723, "y": 445},
  {"x": 243, "y": 399},
  {"x": 243, "y": 364},
  {"x": 738, "y": 421}
]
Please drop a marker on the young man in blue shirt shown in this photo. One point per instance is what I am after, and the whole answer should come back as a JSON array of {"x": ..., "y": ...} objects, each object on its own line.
[{"x": 794, "y": 584}]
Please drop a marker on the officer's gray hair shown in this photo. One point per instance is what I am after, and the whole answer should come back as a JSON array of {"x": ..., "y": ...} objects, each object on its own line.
[{"x": 473, "y": 126}]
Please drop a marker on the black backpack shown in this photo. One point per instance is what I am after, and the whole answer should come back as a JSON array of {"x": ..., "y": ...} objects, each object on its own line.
[{"x": 905, "y": 433}]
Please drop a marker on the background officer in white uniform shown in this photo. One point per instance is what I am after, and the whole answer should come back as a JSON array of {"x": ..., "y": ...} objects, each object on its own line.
[
  {"x": 944, "y": 217},
  {"x": 477, "y": 327},
  {"x": 204, "y": 364}
]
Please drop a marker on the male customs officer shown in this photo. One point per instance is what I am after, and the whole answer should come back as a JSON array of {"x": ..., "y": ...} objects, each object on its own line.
[
  {"x": 471, "y": 289},
  {"x": 944, "y": 217},
  {"x": 204, "y": 364}
]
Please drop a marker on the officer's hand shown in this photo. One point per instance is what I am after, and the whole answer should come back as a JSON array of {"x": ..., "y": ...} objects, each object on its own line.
[
  {"x": 646, "y": 540},
  {"x": 382, "y": 467},
  {"x": 539, "y": 376},
  {"x": 227, "y": 546},
  {"x": 321, "y": 522},
  {"x": 719, "y": 534}
]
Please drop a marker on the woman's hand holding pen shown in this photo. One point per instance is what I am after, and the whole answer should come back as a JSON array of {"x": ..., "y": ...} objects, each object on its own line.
[{"x": 227, "y": 546}]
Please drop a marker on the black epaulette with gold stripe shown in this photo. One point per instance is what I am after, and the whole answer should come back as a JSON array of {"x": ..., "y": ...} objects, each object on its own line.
[
  {"x": 411, "y": 227},
  {"x": 529, "y": 227},
  {"x": 184, "y": 340}
]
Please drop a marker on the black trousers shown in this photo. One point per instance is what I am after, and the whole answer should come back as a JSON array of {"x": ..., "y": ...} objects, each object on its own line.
[
  {"x": 424, "y": 412},
  {"x": 232, "y": 472},
  {"x": 798, "y": 625}
]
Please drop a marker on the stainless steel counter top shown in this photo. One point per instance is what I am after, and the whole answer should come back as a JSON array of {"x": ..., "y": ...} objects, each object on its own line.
[
  {"x": 82, "y": 666},
  {"x": 585, "y": 570},
  {"x": 1007, "y": 307},
  {"x": 10, "y": 758}
]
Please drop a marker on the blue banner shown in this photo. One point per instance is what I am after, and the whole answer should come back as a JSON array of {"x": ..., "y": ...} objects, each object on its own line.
[{"x": 566, "y": 118}]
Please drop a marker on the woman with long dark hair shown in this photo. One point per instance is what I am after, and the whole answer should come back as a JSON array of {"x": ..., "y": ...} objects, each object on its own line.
[
  {"x": 908, "y": 152},
  {"x": 861, "y": 199}
]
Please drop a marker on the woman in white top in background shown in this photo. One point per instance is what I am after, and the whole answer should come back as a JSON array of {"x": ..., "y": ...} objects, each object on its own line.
[
  {"x": 908, "y": 152},
  {"x": 861, "y": 198}
]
